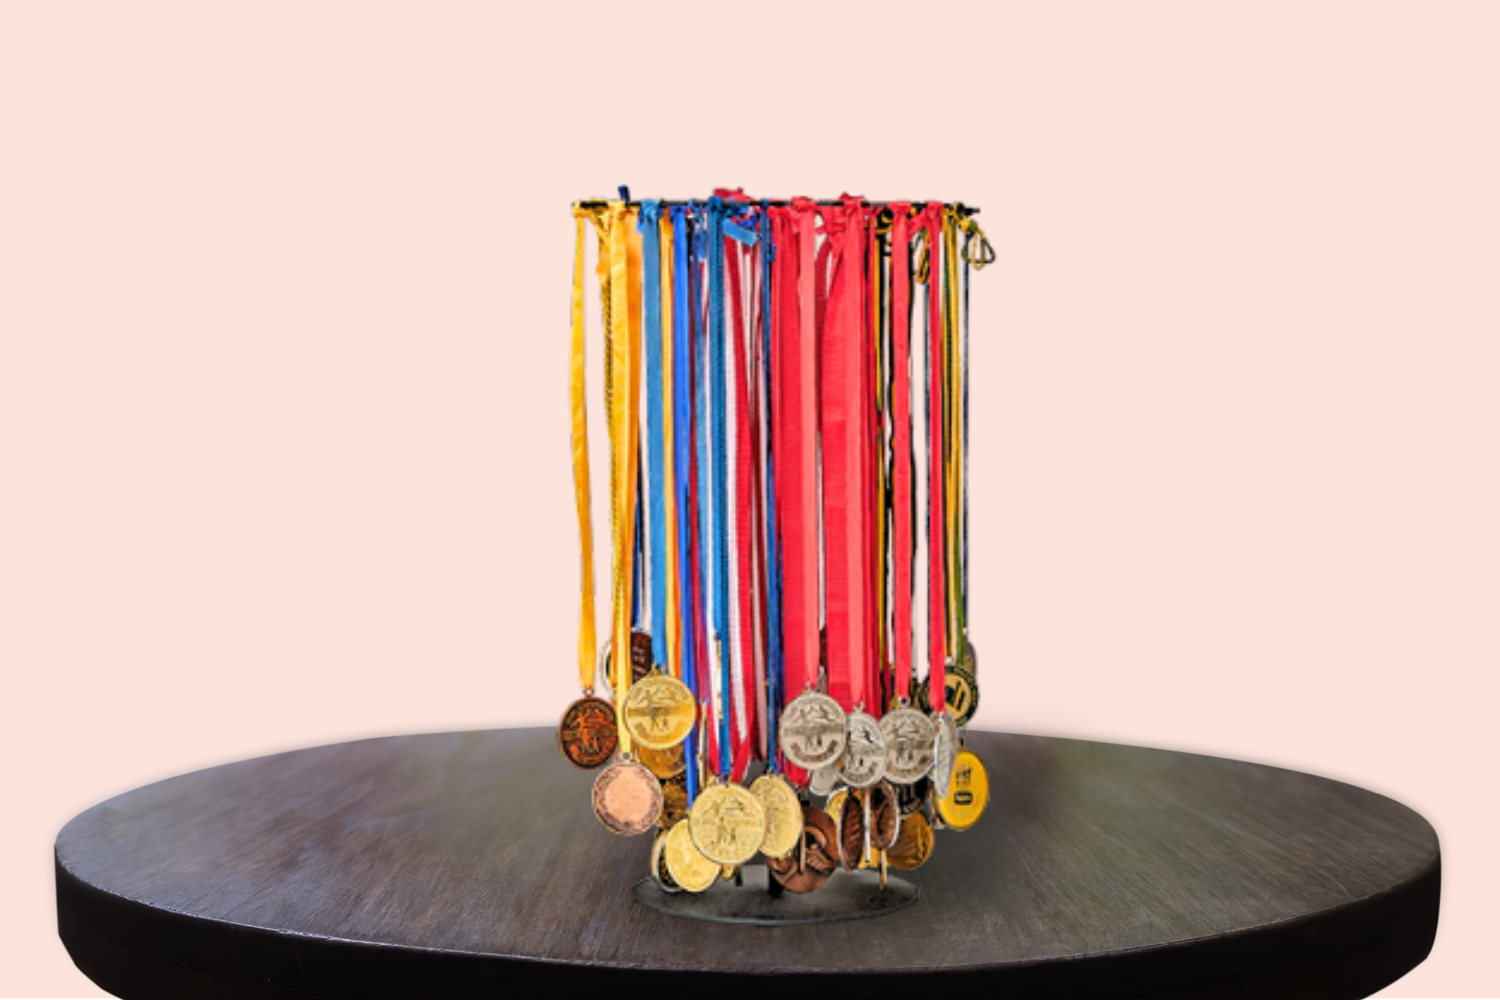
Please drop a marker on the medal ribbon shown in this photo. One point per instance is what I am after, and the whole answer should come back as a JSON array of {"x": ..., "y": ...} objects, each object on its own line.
[
  {"x": 648, "y": 225},
  {"x": 930, "y": 222},
  {"x": 587, "y": 637},
  {"x": 682, "y": 410},
  {"x": 902, "y": 504},
  {"x": 953, "y": 398},
  {"x": 774, "y": 658}
]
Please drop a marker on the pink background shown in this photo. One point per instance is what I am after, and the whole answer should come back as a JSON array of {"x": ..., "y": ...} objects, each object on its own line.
[{"x": 283, "y": 404}]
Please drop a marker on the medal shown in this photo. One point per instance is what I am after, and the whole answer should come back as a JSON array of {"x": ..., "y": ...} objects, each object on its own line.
[
  {"x": 944, "y": 747},
  {"x": 587, "y": 733},
  {"x": 812, "y": 731},
  {"x": 824, "y": 780},
  {"x": 659, "y": 711},
  {"x": 913, "y": 843},
  {"x": 814, "y": 860},
  {"x": 783, "y": 814},
  {"x": 968, "y": 792},
  {"x": 909, "y": 737},
  {"x": 668, "y": 763},
  {"x": 685, "y": 863},
  {"x": 659, "y": 864},
  {"x": 851, "y": 830},
  {"x": 627, "y": 798},
  {"x": 911, "y": 798},
  {"x": 885, "y": 815},
  {"x": 863, "y": 763},
  {"x": 962, "y": 690},
  {"x": 727, "y": 824},
  {"x": 674, "y": 801}
]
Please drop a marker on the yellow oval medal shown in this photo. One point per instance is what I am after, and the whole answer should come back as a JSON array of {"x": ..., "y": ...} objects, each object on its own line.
[
  {"x": 783, "y": 814},
  {"x": 659, "y": 711},
  {"x": 685, "y": 863},
  {"x": 968, "y": 792}
]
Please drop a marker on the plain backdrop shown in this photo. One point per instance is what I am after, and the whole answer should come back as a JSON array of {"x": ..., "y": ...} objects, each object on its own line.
[{"x": 283, "y": 380}]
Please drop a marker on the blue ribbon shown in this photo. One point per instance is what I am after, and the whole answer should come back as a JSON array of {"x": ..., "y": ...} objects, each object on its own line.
[
  {"x": 649, "y": 224},
  {"x": 682, "y": 442}
]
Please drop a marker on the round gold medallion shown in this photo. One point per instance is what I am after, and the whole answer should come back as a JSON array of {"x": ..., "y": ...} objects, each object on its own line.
[
  {"x": 685, "y": 863},
  {"x": 668, "y": 763},
  {"x": 783, "y": 814},
  {"x": 727, "y": 823},
  {"x": 627, "y": 798},
  {"x": 659, "y": 711},
  {"x": 673, "y": 800},
  {"x": 968, "y": 792},
  {"x": 913, "y": 843}
]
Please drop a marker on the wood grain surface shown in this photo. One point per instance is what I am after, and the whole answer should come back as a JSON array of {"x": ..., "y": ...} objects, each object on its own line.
[{"x": 470, "y": 864}]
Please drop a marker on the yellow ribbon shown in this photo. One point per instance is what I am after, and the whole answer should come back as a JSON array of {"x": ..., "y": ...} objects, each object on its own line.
[{"x": 587, "y": 637}]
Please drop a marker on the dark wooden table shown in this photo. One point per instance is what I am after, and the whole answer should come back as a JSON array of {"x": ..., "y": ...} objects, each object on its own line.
[{"x": 470, "y": 865}]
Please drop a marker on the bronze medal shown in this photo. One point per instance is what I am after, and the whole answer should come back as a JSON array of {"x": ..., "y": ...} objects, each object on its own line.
[
  {"x": 640, "y": 655},
  {"x": 668, "y": 763},
  {"x": 913, "y": 843},
  {"x": 673, "y": 801},
  {"x": 783, "y": 814},
  {"x": 685, "y": 863},
  {"x": 812, "y": 731},
  {"x": 727, "y": 823},
  {"x": 587, "y": 733},
  {"x": 814, "y": 860},
  {"x": 659, "y": 711},
  {"x": 885, "y": 816},
  {"x": 863, "y": 762},
  {"x": 627, "y": 798},
  {"x": 909, "y": 737},
  {"x": 851, "y": 830}
]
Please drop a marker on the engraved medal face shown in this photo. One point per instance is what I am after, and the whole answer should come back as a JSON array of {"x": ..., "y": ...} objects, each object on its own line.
[
  {"x": 673, "y": 800},
  {"x": 968, "y": 792},
  {"x": 659, "y": 711},
  {"x": 627, "y": 797},
  {"x": 659, "y": 865},
  {"x": 961, "y": 693},
  {"x": 912, "y": 797},
  {"x": 666, "y": 763},
  {"x": 824, "y": 780},
  {"x": 813, "y": 860},
  {"x": 685, "y": 863},
  {"x": 852, "y": 830},
  {"x": 909, "y": 739},
  {"x": 587, "y": 733},
  {"x": 913, "y": 843},
  {"x": 944, "y": 748},
  {"x": 783, "y": 814},
  {"x": 864, "y": 756},
  {"x": 885, "y": 816},
  {"x": 727, "y": 824},
  {"x": 812, "y": 730}
]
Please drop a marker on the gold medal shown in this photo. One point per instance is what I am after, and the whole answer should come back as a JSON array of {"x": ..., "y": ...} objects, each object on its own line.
[
  {"x": 960, "y": 693},
  {"x": 587, "y": 733},
  {"x": 909, "y": 737},
  {"x": 685, "y": 863},
  {"x": 783, "y": 814},
  {"x": 659, "y": 865},
  {"x": 913, "y": 843},
  {"x": 668, "y": 763},
  {"x": 673, "y": 801},
  {"x": 863, "y": 763},
  {"x": 627, "y": 798},
  {"x": 727, "y": 823},
  {"x": 968, "y": 792},
  {"x": 812, "y": 731},
  {"x": 659, "y": 711}
]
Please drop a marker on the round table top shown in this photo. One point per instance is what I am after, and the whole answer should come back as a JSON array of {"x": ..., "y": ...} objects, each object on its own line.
[{"x": 458, "y": 864}]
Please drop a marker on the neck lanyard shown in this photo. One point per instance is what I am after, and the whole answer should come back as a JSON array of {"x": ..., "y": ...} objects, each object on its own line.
[
  {"x": 902, "y": 501},
  {"x": 587, "y": 637},
  {"x": 930, "y": 222},
  {"x": 655, "y": 478},
  {"x": 774, "y": 663}
]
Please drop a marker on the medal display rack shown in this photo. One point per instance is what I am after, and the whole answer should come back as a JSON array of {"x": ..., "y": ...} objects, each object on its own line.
[{"x": 786, "y": 397}]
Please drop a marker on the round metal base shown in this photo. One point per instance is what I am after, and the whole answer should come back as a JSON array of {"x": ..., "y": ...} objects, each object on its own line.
[{"x": 845, "y": 896}]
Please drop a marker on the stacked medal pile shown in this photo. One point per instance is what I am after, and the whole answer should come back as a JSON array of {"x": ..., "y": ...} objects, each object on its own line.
[{"x": 787, "y": 398}]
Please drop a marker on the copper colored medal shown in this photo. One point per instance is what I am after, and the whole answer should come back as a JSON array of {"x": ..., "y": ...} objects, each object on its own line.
[
  {"x": 815, "y": 858},
  {"x": 587, "y": 733},
  {"x": 885, "y": 815},
  {"x": 640, "y": 655},
  {"x": 852, "y": 830},
  {"x": 627, "y": 798}
]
